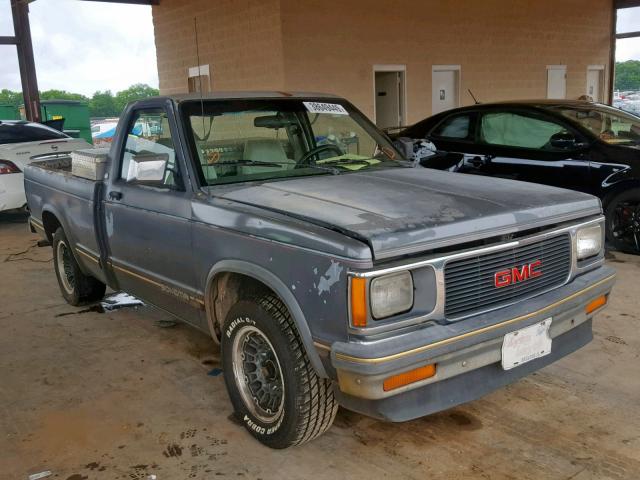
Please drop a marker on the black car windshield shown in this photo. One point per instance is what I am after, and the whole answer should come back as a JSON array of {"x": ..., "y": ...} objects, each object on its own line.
[
  {"x": 269, "y": 139},
  {"x": 608, "y": 124},
  {"x": 18, "y": 132}
]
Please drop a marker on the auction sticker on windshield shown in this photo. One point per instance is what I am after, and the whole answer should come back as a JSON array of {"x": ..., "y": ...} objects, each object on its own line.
[
  {"x": 526, "y": 344},
  {"x": 319, "y": 107}
]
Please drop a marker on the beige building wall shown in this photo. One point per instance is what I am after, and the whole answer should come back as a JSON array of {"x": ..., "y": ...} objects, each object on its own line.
[
  {"x": 240, "y": 40},
  {"x": 502, "y": 46}
]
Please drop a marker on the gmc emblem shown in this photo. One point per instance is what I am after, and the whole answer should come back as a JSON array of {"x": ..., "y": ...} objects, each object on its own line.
[{"x": 515, "y": 275}]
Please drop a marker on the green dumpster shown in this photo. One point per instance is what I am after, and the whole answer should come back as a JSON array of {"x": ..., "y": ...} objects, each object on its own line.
[
  {"x": 9, "y": 112},
  {"x": 74, "y": 112}
]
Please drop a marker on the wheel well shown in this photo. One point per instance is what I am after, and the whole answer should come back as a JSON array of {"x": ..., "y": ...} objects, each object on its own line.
[
  {"x": 617, "y": 190},
  {"x": 225, "y": 290},
  {"x": 51, "y": 224}
]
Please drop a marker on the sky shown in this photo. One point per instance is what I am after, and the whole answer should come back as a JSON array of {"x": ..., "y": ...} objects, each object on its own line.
[
  {"x": 83, "y": 46},
  {"x": 87, "y": 46},
  {"x": 628, "y": 21}
]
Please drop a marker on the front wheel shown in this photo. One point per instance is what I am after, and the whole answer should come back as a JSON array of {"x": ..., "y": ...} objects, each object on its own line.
[
  {"x": 76, "y": 287},
  {"x": 274, "y": 390},
  {"x": 623, "y": 222}
]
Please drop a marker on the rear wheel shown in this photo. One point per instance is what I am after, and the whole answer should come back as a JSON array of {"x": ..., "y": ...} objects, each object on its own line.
[
  {"x": 274, "y": 390},
  {"x": 623, "y": 222},
  {"x": 76, "y": 287}
]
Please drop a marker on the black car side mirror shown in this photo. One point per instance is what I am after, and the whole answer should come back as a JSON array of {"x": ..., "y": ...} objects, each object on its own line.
[{"x": 564, "y": 141}]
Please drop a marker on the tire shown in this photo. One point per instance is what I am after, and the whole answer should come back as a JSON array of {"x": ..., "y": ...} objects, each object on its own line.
[
  {"x": 623, "y": 222},
  {"x": 76, "y": 287},
  {"x": 301, "y": 405}
]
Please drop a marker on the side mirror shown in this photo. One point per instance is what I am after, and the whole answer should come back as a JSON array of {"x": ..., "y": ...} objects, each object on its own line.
[
  {"x": 564, "y": 141},
  {"x": 147, "y": 168},
  {"x": 406, "y": 146}
]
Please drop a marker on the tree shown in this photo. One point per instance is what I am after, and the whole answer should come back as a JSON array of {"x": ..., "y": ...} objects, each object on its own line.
[
  {"x": 7, "y": 97},
  {"x": 628, "y": 75},
  {"x": 62, "y": 95},
  {"x": 134, "y": 92},
  {"x": 103, "y": 104}
]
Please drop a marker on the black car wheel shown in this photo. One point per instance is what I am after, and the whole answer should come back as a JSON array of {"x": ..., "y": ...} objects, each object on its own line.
[
  {"x": 274, "y": 390},
  {"x": 623, "y": 222},
  {"x": 76, "y": 287}
]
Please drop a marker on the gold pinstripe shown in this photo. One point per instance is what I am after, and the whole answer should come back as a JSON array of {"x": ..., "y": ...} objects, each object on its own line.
[
  {"x": 152, "y": 282},
  {"x": 447, "y": 341},
  {"x": 87, "y": 255},
  {"x": 162, "y": 286}
]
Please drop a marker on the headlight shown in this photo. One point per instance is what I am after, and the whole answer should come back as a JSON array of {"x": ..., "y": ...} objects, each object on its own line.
[
  {"x": 589, "y": 241},
  {"x": 391, "y": 294}
]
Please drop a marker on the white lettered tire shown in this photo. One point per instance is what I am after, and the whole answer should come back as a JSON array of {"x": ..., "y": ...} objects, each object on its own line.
[{"x": 273, "y": 387}]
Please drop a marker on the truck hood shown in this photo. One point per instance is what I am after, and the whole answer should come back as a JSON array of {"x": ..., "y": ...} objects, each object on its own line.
[{"x": 401, "y": 211}]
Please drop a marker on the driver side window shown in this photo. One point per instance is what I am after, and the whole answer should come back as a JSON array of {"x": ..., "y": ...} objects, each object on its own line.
[
  {"x": 149, "y": 133},
  {"x": 517, "y": 130}
]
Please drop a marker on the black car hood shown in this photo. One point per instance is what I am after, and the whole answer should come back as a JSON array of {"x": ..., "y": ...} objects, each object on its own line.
[{"x": 406, "y": 210}]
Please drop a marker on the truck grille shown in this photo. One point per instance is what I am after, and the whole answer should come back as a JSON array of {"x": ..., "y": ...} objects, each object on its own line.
[{"x": 471, "y": 282}]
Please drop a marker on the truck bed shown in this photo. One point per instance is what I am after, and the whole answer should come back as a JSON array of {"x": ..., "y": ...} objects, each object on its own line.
[{"x": 55, "y": 196}]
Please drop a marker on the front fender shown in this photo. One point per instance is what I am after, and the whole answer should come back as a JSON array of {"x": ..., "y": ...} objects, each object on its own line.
[{"x": 278, "y": 286}]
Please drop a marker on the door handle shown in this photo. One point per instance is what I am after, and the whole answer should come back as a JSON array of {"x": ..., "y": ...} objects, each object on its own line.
[
  {"x": 113, "y": 195},
  {"x": 477, "y": 161}
]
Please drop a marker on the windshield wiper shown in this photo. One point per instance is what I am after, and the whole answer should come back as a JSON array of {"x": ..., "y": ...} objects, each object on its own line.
[
  {"x": 259, "y": 163},
  {"x": 247, "y": 162},
  {"x": 334, "y": 171},
  {"x": 339, "y": 162}
]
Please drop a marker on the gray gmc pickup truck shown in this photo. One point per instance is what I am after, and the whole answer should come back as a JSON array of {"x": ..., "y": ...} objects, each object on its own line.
[{"x": 331, "y": 270}]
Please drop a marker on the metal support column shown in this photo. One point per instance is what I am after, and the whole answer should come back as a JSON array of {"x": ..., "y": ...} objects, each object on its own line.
[{"x": 20, "y": 11}]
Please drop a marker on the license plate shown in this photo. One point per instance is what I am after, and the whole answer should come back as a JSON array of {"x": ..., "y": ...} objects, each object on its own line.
[{"x": 526, "y": 344}]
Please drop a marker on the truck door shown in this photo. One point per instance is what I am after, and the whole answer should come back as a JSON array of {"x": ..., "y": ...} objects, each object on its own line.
[{"x": 148, "y": 224}]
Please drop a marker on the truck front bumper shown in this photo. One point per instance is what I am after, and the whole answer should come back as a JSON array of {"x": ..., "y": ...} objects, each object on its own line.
[{"x": 467, "y": 354}]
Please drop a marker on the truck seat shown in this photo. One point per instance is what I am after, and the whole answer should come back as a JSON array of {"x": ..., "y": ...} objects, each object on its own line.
[{"x": 265, "y": 150}]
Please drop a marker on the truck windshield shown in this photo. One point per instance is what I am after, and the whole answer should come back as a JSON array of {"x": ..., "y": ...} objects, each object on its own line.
[{"x": 269, "y": 139}]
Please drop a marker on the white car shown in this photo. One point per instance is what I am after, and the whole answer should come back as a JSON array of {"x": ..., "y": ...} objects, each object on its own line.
[{"x": 22, "y": 143}]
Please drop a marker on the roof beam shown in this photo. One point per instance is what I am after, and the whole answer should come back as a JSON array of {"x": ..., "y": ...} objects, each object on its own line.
[
  {"x": 133, "y": 2},
  {"x": 627, "y": 35},
  {"x": 8, "y": 41},
  {"x": 627, "y": 3}
]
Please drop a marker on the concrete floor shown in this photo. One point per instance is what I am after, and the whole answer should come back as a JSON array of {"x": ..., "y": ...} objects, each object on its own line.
[{"x": 113, "y": 396}]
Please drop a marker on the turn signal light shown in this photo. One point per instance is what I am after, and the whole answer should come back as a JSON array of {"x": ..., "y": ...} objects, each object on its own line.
[
  {"x": 359, "y": 302},
  {"x": 596, "y": 304},
  {"x": 407, "y": 378}
]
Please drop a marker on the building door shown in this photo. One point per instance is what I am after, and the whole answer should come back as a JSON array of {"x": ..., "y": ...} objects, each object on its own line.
[
  {"x": 556, "y": 81},
  {"x": 389, "y": 101},
  {"x": 445, "y": 85},
  {"x": 595, "y": 82}
]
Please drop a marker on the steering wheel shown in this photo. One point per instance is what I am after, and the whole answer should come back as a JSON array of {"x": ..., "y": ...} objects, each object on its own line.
[{"x": 319, "y": 149}]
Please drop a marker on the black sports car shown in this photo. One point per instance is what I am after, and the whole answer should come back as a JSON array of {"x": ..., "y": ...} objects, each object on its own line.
[{"x": 578, "y": 145}]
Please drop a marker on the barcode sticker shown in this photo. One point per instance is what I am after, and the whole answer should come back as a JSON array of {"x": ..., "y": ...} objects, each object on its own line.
[{"x": 318, "y": 107}]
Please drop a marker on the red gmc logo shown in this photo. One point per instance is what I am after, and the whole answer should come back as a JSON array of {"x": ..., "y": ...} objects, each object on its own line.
[{"x": 515, "y": 275}]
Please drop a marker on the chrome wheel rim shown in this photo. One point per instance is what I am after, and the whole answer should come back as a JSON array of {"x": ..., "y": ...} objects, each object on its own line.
[
  {"x": 258, "y": 374},
  {"x": 65, "y": 267},
  {"x": 625, "y": 224}
]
